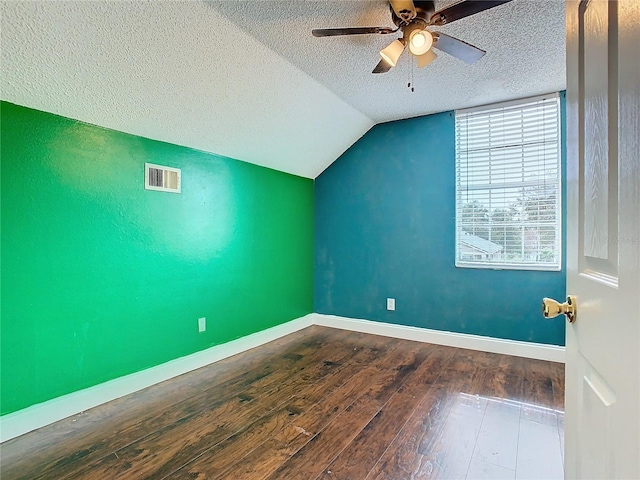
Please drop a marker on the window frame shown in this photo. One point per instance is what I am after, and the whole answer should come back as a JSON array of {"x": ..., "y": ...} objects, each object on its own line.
[{"x": 504, "y": 264}]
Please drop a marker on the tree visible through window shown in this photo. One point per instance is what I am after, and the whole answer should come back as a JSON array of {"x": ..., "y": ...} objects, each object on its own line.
[{"x": 508, "y": 194}]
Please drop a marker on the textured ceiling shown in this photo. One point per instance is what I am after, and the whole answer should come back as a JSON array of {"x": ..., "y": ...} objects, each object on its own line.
[
  {"x": 246, "y": 79},
  {"x": 524, "y": 40}
]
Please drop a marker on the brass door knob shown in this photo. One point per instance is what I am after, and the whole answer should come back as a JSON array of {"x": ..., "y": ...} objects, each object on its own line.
[{"x": 551, "y": 308}]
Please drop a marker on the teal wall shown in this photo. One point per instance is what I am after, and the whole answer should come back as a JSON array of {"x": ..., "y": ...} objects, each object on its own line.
[
  {"x": 101, "y": 278},
  {"x": 385, "y": 227}
]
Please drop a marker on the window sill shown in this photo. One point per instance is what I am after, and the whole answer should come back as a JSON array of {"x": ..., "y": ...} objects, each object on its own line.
[{"x": 501, "y": 266}]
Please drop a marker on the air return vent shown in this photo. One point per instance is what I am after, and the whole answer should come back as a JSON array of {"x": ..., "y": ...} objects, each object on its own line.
[{"x": 164, "y": 179}]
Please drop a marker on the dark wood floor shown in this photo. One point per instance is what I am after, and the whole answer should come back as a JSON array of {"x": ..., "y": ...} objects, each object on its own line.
[{"x": 321, "y": 403}]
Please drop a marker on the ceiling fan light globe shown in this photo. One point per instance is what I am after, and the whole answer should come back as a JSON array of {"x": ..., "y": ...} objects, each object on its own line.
[
  {"x": 420, "y": 42},
  {"x": 426, "y": 58},
  {"x": 392, "y": 52}
]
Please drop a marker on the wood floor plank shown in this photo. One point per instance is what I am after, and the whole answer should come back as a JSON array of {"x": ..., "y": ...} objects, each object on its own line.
[
  {"x": 496, "y": 383},
  {"x": 449, "y": 457},
  {"x": 538, "y": 390},
  {"x": 359, "y": 457},
  {"x": 408, "y": 456},
  {"x": 86, "y": 425},
  {"x": 130, "y": 425},
  {"x": 537, "y": 383},
  {"x": 557, "y": 379},
  {"x": 219, "y": 458},
  {"x": 170, "y": 447},
  {"x": 318, "y": 401},
  {"x": 270, "y": 455},
  {"x": 311, "y": 460},
  {"x": 466, "y": 360},
  {"x": 121, "y": 422}
]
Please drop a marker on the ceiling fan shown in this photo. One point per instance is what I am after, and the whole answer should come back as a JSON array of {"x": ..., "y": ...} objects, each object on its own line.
[{"x": 412, "y": 17}]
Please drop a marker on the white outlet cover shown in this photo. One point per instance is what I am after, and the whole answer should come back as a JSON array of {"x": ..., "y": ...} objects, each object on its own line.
[
  {"x": 202, "y": 324},
  {"x": 391, "y": 303}
]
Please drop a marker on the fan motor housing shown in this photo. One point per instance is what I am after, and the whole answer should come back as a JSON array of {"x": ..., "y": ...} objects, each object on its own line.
[{"x": 424, "y": 10}]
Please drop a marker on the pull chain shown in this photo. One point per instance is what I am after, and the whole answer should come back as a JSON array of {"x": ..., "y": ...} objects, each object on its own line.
[{"x": 410, "y": 83}]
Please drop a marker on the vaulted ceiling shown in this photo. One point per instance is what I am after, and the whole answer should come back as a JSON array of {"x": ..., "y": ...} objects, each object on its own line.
[{"x": 246, "y": 79}]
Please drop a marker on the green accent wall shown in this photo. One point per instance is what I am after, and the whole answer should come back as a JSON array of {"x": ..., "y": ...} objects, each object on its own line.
[{"x": 102, "y": 278}]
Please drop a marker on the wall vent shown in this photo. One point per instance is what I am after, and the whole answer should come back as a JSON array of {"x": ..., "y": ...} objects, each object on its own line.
[{"x": 164, "y": 179}]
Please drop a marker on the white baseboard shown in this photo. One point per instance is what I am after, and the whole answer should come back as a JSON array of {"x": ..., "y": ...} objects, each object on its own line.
[
  {"x": 18, "y": 423},
  {"x": 461, "y": 340}
]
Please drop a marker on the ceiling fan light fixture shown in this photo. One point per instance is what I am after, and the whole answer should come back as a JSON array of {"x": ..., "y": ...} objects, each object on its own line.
[
  {"x": 420, "y": 41},
  {"x": 426, "y": 58},
  {"x": 392, "y": 52}
]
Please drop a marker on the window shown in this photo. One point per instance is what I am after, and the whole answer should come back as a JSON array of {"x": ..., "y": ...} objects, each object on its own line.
[{"x": 508, "y": 192}]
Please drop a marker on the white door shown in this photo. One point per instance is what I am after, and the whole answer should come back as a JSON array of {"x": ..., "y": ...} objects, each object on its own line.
[{"x": 602, "y": 429}]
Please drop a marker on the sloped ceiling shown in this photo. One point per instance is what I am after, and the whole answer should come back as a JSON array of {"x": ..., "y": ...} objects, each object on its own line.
[{"x": 246, "y": 79}]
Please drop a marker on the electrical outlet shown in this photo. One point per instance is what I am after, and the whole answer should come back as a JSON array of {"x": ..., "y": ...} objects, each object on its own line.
[
  {"x": 202, "y": 324},
  {"x": 391, "y": 304}
]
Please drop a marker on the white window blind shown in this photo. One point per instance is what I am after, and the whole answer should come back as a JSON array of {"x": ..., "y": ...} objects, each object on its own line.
[{"x": 508, "y": 211}]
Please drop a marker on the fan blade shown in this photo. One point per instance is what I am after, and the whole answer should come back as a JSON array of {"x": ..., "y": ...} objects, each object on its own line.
[
  {"x": 332, "y": 32},
  {"x": 457, "y": 48},
  {"x": 382, "y": 67},
  {"x": 404, "y": 9},
  {"x": 426, "y": 58},
  {"x": 463, "y": 9}
]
